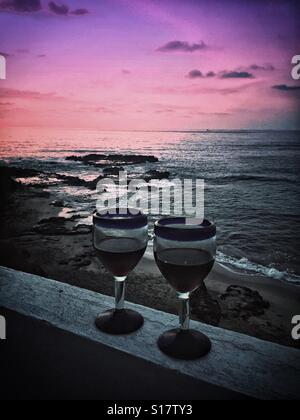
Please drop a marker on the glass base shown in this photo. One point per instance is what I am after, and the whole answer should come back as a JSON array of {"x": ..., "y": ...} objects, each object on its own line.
[
  {"x": 119, "y": 322},
  {"x": 184, "y": 345}
]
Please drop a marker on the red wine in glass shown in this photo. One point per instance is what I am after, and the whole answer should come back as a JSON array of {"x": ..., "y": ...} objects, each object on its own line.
[
  {"x": 185, "y": 255},
  {"x": 120, "y": 255},
  {"x": 184, "y": 269},
  {"x": 120, "y": 238}
]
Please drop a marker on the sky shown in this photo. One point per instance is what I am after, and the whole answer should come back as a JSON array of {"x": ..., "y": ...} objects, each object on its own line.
[{"x": 150, "y": 64}]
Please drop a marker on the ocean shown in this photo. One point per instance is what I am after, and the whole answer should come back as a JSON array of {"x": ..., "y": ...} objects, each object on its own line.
[{"x": 252, "y": 182}]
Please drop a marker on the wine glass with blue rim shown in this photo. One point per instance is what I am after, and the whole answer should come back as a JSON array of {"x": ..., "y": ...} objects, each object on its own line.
[
  {"x": 120, "y": 238},
  {"x": 185, "y": 253}
]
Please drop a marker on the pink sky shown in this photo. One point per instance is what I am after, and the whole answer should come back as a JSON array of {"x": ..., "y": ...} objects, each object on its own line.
[{"x": 143, "y": 64}]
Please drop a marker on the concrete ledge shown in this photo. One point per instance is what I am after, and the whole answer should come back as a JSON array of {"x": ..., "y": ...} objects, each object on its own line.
[{"x": 66, "y": 356}]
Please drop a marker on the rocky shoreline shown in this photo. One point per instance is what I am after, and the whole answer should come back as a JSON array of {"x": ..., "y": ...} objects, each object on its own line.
[{"x": 39, "y": 235}]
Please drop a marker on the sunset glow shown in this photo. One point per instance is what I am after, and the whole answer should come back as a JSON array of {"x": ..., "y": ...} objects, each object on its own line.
[{"x": 149, "y": 64}]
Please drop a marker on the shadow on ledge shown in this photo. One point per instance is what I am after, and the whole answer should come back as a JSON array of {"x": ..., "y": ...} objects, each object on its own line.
[{"x": 40, "y": 362}]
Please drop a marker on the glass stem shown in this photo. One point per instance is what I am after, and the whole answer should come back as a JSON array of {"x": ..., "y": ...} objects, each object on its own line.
[
  {"x": 184, "y": 314},
  {"x": 120, "y": 292}
]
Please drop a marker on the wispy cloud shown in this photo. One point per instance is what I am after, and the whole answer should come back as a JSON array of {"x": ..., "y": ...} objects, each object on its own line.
[
  {"x": 198, "y": 74},
  {"x": 64, "y": 10},
  {"x": 211, "y": 74},
  {"x": 196, "y": 90},
  {"x": 32, "y": 6},
  {"x": 80, "y": 12},
  {"x": 182, "y": 46},
  {"x": 257, "y": 67},
  {"x": 21, "y": 5},
  {"x": 232, "y": 74},
  {"x": 59, "y": 10},
  {"x": 227, "y": 91},
  {"x": 286, "y": 88},
  {"x": 236, "y": 75},
  {"x": 99, "y": 109},
  {"x": 157, "y": 108},
  {"x": 27, "y": 94},
  {"x": 195, "y": 74}
]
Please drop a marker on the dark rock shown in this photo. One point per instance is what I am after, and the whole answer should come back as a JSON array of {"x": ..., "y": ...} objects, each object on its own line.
[
  {"x": 156, "y": 175},
  {"x": 85, "y": 263},
  {"x": 81, "y": 261},
  {"x": 75, "y": 217},
  {"x": 82, "y": 229},
  {"x": 204, "y": 307},
  {"x": 19, "y": 172},
  {"x": 113, "y": 170},
  {"x": 133, "y": 159},
  {"x": 242, "y": 302},
  {"x": 57, "y": 203},
  {"x": 75, "y": 181},
  {"x": 55, "y": 226},
  {"x": 42, "y": 194},
  {"x": 92, "y": 185},
  {"x": 41, "y": 185},
  {"x": 53, "y": 221},
  {"x": 31, "y": 193},
  {"x": 117, "y": 159},
  {"x": 87, "y": 158},
  {"x": 7, "y": 185}
]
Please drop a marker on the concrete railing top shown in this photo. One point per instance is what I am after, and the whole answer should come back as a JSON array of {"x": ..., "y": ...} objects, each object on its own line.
[{"x": 237, "y": 362}]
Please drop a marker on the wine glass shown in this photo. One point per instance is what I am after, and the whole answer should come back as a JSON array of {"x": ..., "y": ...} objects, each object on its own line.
[
  {"x": 120, "y": 240},
  {"x": 185, "y": 254}
]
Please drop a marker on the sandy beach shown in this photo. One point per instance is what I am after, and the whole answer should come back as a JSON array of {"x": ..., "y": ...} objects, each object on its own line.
[{"x": 40, "y": 236}]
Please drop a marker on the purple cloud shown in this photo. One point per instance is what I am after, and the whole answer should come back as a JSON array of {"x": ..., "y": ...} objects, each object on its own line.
[
  {"x": 8, "y": 93},
  {"x": 21, "y": 5},
  {"x": 286, "y": 88},
  {"x": 266, "y": 67},
  {"x": 80, "y": 12},
  {"x": 58, "y": 10},
  {"x": 27, "y": 6},
  {"x": 192, "y": 90},
  {"x": 182, "y": 46},
  {"x": 236, "y": 75},
  {"x": 211, "y": 74},
  {"x": 195, "y": 74}
]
